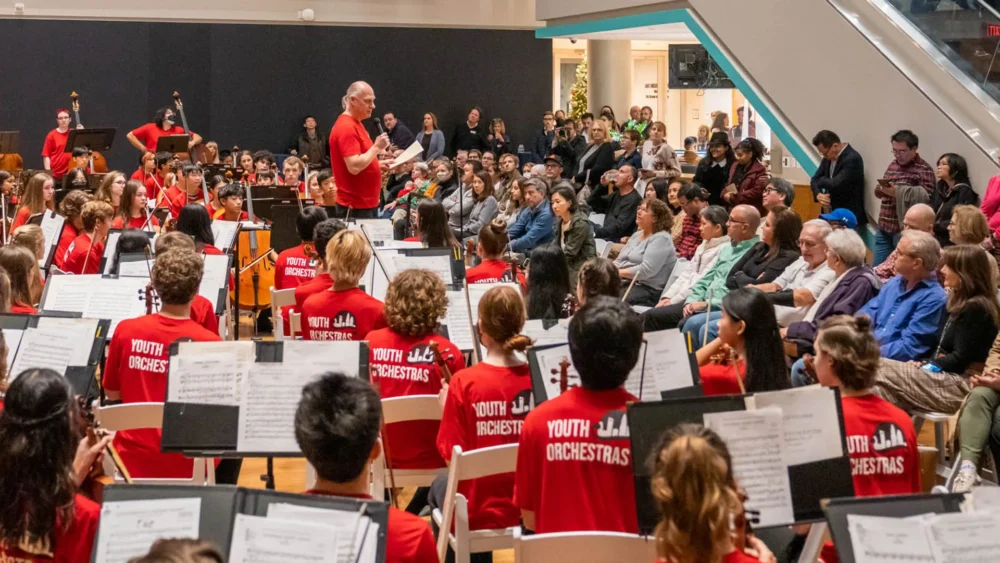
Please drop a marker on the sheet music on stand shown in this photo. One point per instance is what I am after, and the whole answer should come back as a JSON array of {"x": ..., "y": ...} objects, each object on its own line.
[
  {"x": 110, "y": 245},
  {"x": 52, "y": 228},
  {"x": 214, "y": 281},
  {"x": 379, "y": 231},
  {"x": 800, "y": 430},
  {"x": 239, "y": 398},
  {"x": 246, "y": 524},
  {"x": 97, "y": 297},
  {"x": 225, "y": 233},
  {"x": 546, "y": 332},
  {"x": 932, "y": 538},
  {"x": 72, "y": 346},
  {"x": 463, "y": 301}
]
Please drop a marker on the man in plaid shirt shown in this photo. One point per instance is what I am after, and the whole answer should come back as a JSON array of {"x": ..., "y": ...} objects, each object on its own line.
[
  {"x": 693, "y": 198},
  {"x": 906, "y": 169}
]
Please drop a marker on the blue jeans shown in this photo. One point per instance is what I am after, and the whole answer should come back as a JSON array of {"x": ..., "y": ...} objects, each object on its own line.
[
  {"x": 799, "y": 376},
  {"x": 885, "y": 243},
  {"x": 695, "y": 326}
]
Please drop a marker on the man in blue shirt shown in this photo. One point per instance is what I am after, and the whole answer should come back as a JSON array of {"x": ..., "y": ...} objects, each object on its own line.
[
  {"x": 534, "y": 225},
  {"x": 906, "y": 314}
]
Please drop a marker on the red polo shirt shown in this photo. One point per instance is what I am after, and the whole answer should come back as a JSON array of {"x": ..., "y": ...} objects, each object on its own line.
[{"x": 349, "y": 138}]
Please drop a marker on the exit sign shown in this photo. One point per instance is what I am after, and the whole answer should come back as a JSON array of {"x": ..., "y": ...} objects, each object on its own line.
[{"x": 992, "y": 29}]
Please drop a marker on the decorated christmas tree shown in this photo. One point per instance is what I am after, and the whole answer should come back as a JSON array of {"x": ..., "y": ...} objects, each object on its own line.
[{"x": 578, "y": 94}]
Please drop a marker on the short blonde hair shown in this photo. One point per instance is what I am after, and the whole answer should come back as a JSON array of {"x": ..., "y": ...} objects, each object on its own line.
[
  {"x": 347, "y": 256},
  {"x": 293, "y": 160},
  {"x": 970, "y": 224},
  {"x": 174, "y": 240},
  {"x": 415, "y": 302},
  {"x": 94, "y": 211}
]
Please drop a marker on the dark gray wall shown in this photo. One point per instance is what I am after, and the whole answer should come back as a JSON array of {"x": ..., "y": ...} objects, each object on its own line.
[{"x": 251, "y": 84}]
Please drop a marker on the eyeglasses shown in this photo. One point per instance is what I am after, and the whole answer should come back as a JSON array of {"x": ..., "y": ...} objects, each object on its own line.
[
  {"x": 900, "y": 151},
  {"x": 769, "y": 189},
  {"x": 731, "y": 220}
]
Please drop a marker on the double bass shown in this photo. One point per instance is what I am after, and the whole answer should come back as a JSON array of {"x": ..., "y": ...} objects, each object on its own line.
[
  {"x": 256, "y": 272},
  {"x": 98, "y": 165},
  {"x": 198, "y": 154}
]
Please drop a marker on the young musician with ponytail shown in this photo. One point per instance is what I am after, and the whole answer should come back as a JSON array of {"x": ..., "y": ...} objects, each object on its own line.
[
  {"x": 493, "y": 241},
  {"x": 132, "y": 212},
  {"x": 321, "y": 236},
  {"x": 43, "y": 461},
  {"x": 402, "y": 364},
  {"x": 139, "y": 354},
  {"x": 485, "y": 405},
  {"x": 84, "y": 255},
  {"x": 557, "y": 486},
  {"x": 696, "y": 495},
  {"x": 38, "y": 196},
  {"x": 343, "y": 312},
  {"x": 71, "y": 207},
  {"x": 202, "y": 310},
  {"x": 25, "y": 281},
  {"x": 293, "y": 266}
]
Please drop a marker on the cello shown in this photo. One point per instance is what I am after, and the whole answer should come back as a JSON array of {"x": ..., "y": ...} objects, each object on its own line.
[
  {"x": 255, "y": 270},
  {"x": 98, "y": 165},
  {"x": 197, "y": 153}
]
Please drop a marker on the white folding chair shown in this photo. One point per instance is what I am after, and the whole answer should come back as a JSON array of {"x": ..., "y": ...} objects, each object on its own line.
[
  {"x": 597, "y": 218},
  {"x": 606, "y": 250},
  {"x": 408, "y": 409},
  {"x": 464, "y": 466},
  {"x": 294, "y": 325},
  {"x": 944, "y": 469},
  {"x": 583, "y": 547},
  {"x": 280, "y": 298},
  {"x": 135, "y": 416},
  {"x": 601, "y": 245}
]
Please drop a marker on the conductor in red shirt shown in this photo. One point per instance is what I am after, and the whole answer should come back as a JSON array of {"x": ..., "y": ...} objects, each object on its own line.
[
  {"x": 354, "y": 157},
  {"x": 54, "y": 155}
]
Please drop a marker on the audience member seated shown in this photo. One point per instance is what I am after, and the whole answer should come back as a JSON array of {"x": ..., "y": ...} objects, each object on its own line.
[
  {"x": 618, "y": 202},
  {"x": 952, "y": 188},
  {"x": 534, "y": 224},
  {"x": 979, "y": 421},
  {"x": 548, "y": 289},
  {"x": 692, "y": 199},
  {"x": 24, "y": 278},
  {"x": 598, "y": 276},
  {"x": 741, "y": 225},
  {"x": 431, "y": 226},
  {"x": 748, "y": 177},
  {"x": 512, "y": 204},
  {"x": 445, "y": 180},
  {"x": 839, "y": 182},
  {"x": 797, "y": 288},
  {"x": 597, "y": 158},
  {"x": 840, "y": 219},
  {"x": 507, "y": 175},
  {"x": 697, "y": 496},
  {"x": 481, "y": 212},
  {"x": 657, "y": 189},
  {"x": 971, "y": 319},
  {"x": 690, "y": 156},
  {"x": 322, "y": 233},
  {"x": 413, "y": 191},
  {"x": 343, "y": 312},
  {"x": 761, "y": 264},
  {"x": 906, "y": 172},
  {"x": 746, "y": 356},
  {"x": 568, "y": 493},
  {"x": 502, "y": 378},
  {"x": 647, "y": 260},
  {"x": 713, "y": 170},
  {"x": 712, "y": 228},
  {"x": 630, "y": 155},
  {"x": 337, "y": 427},
  {"x": 43, "y": 462},
  {"x": 553, "y": 168},
  {"x": 676, "y": 209},
  {"x": 778, "y": 193},
  {"x": 573, "y": 232},
  {"x": 968, "y": 226},
  {"x": 920, "y": 217}
]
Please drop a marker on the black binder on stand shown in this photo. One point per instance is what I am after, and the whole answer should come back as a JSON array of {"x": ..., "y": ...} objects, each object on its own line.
[{"x": 220, "y": 504}]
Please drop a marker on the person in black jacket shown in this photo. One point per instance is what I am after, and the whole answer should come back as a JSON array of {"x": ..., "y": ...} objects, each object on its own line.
[
  {"x": 597, "y": 159},
  {"x": 311, "y": 144},
  {"x": 619, "y": 206},
  {"x": 470, "y": 135},
  {"x": 952, "y": 189},
  {"x": 400, "y": 135},
  {"x": 839, "y": 182},
  {"x": 776, "y": 251},
  {"x": 542, "y": 146},
  {"x": 713, "y": 170}
]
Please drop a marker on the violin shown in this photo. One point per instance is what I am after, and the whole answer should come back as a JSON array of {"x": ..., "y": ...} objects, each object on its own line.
[
  {"x": 93, "y": 486},
  {"x": 98, "y": 165},
  {"x": 441, "y": 362},
  {"x": 564, "y": 376},
  {"x": 197, "y": 154},
  {"x": 742, "y": 522},
  {"x": 470, "y": 253},
  {"x": 150, "y": 297}
]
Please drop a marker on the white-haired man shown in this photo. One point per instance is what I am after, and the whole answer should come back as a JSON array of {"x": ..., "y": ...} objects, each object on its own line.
[{"x": 354, "y": 157}]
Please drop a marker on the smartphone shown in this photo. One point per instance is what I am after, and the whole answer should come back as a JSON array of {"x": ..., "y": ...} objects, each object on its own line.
[
  {"x": 883, "y": 182},
  {"x": 930, "y": 368}
]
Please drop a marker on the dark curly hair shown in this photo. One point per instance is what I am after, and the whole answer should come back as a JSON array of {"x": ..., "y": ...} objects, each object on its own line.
[
  {"x": 37, "y": 446},
  {"x": 415, "y": 302}
]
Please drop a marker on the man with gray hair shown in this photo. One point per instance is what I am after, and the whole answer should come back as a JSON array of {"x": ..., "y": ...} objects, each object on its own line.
[
  {"x": 906, "y": 314},
  {"x": 354, "y": 157},
  {"x": 779, "y": 192},
  {"x": 920, "y": 217}
]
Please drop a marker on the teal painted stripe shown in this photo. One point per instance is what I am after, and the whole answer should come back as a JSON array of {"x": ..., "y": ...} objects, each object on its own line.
[{"x": 802, "y": 154}]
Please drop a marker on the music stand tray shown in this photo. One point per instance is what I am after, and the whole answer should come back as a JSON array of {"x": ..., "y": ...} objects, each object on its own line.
[
  {"x": 173, "y": 144},
  {"x": 93, "y": 139},
  {"x": 9, "y": 141}
]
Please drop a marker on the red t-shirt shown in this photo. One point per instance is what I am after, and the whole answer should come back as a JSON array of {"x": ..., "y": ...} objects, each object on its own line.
[
  {"x": 883, "y": 447},
  {"x": 137, "y": 362},
  {"x": 491, "y": 271},
  {"x": 292, "y": 269},
  {"x": 221, "y": 214},
  {"x": 139, "y": 175},
  {"x": 717, "y": 379},
  {"x": 155, "y": 183},
  {"x": 571, "y": 478},
  {"x": 72, "y": 544},
  {"x": 480, "y": 413},
  {"x": 150, "y": 133},
  {"x": 403, "y": 366},
  {"x": 341, "y": 315},
  {"x": 66, "y": 239},
  {"x": 55, "y": 149},
  {"x": 178, "y": 198},
  {"x": 408, "y": 539},
  {"x": 20, "y": 218},
  {"x": 321, "y": 282},
  {"x": 349, "y": 138},
  {"x": 22, "y": 309},
  {"x": 203, "y": 313},
  {"x": 82, "y": 257},
  {"x": 135, "y": 223}
]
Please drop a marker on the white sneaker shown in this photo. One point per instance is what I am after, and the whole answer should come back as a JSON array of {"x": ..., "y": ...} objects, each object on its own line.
[{"x": 966, "y": 478}]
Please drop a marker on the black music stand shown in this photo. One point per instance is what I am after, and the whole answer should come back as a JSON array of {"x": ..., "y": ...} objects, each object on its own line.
[
  {"x": 9, "y": 141},
  {"x": 173, "y": 144},
  {"x": 265, "y": 197},
  {"x": 92, "y": 139}
]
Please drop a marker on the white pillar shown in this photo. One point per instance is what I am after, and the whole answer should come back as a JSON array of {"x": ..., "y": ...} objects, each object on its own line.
[{"x": 609, "y": 77}]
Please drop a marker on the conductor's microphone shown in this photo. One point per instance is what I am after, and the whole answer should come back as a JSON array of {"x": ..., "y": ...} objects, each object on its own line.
[{"x": 378, "y": 123}]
